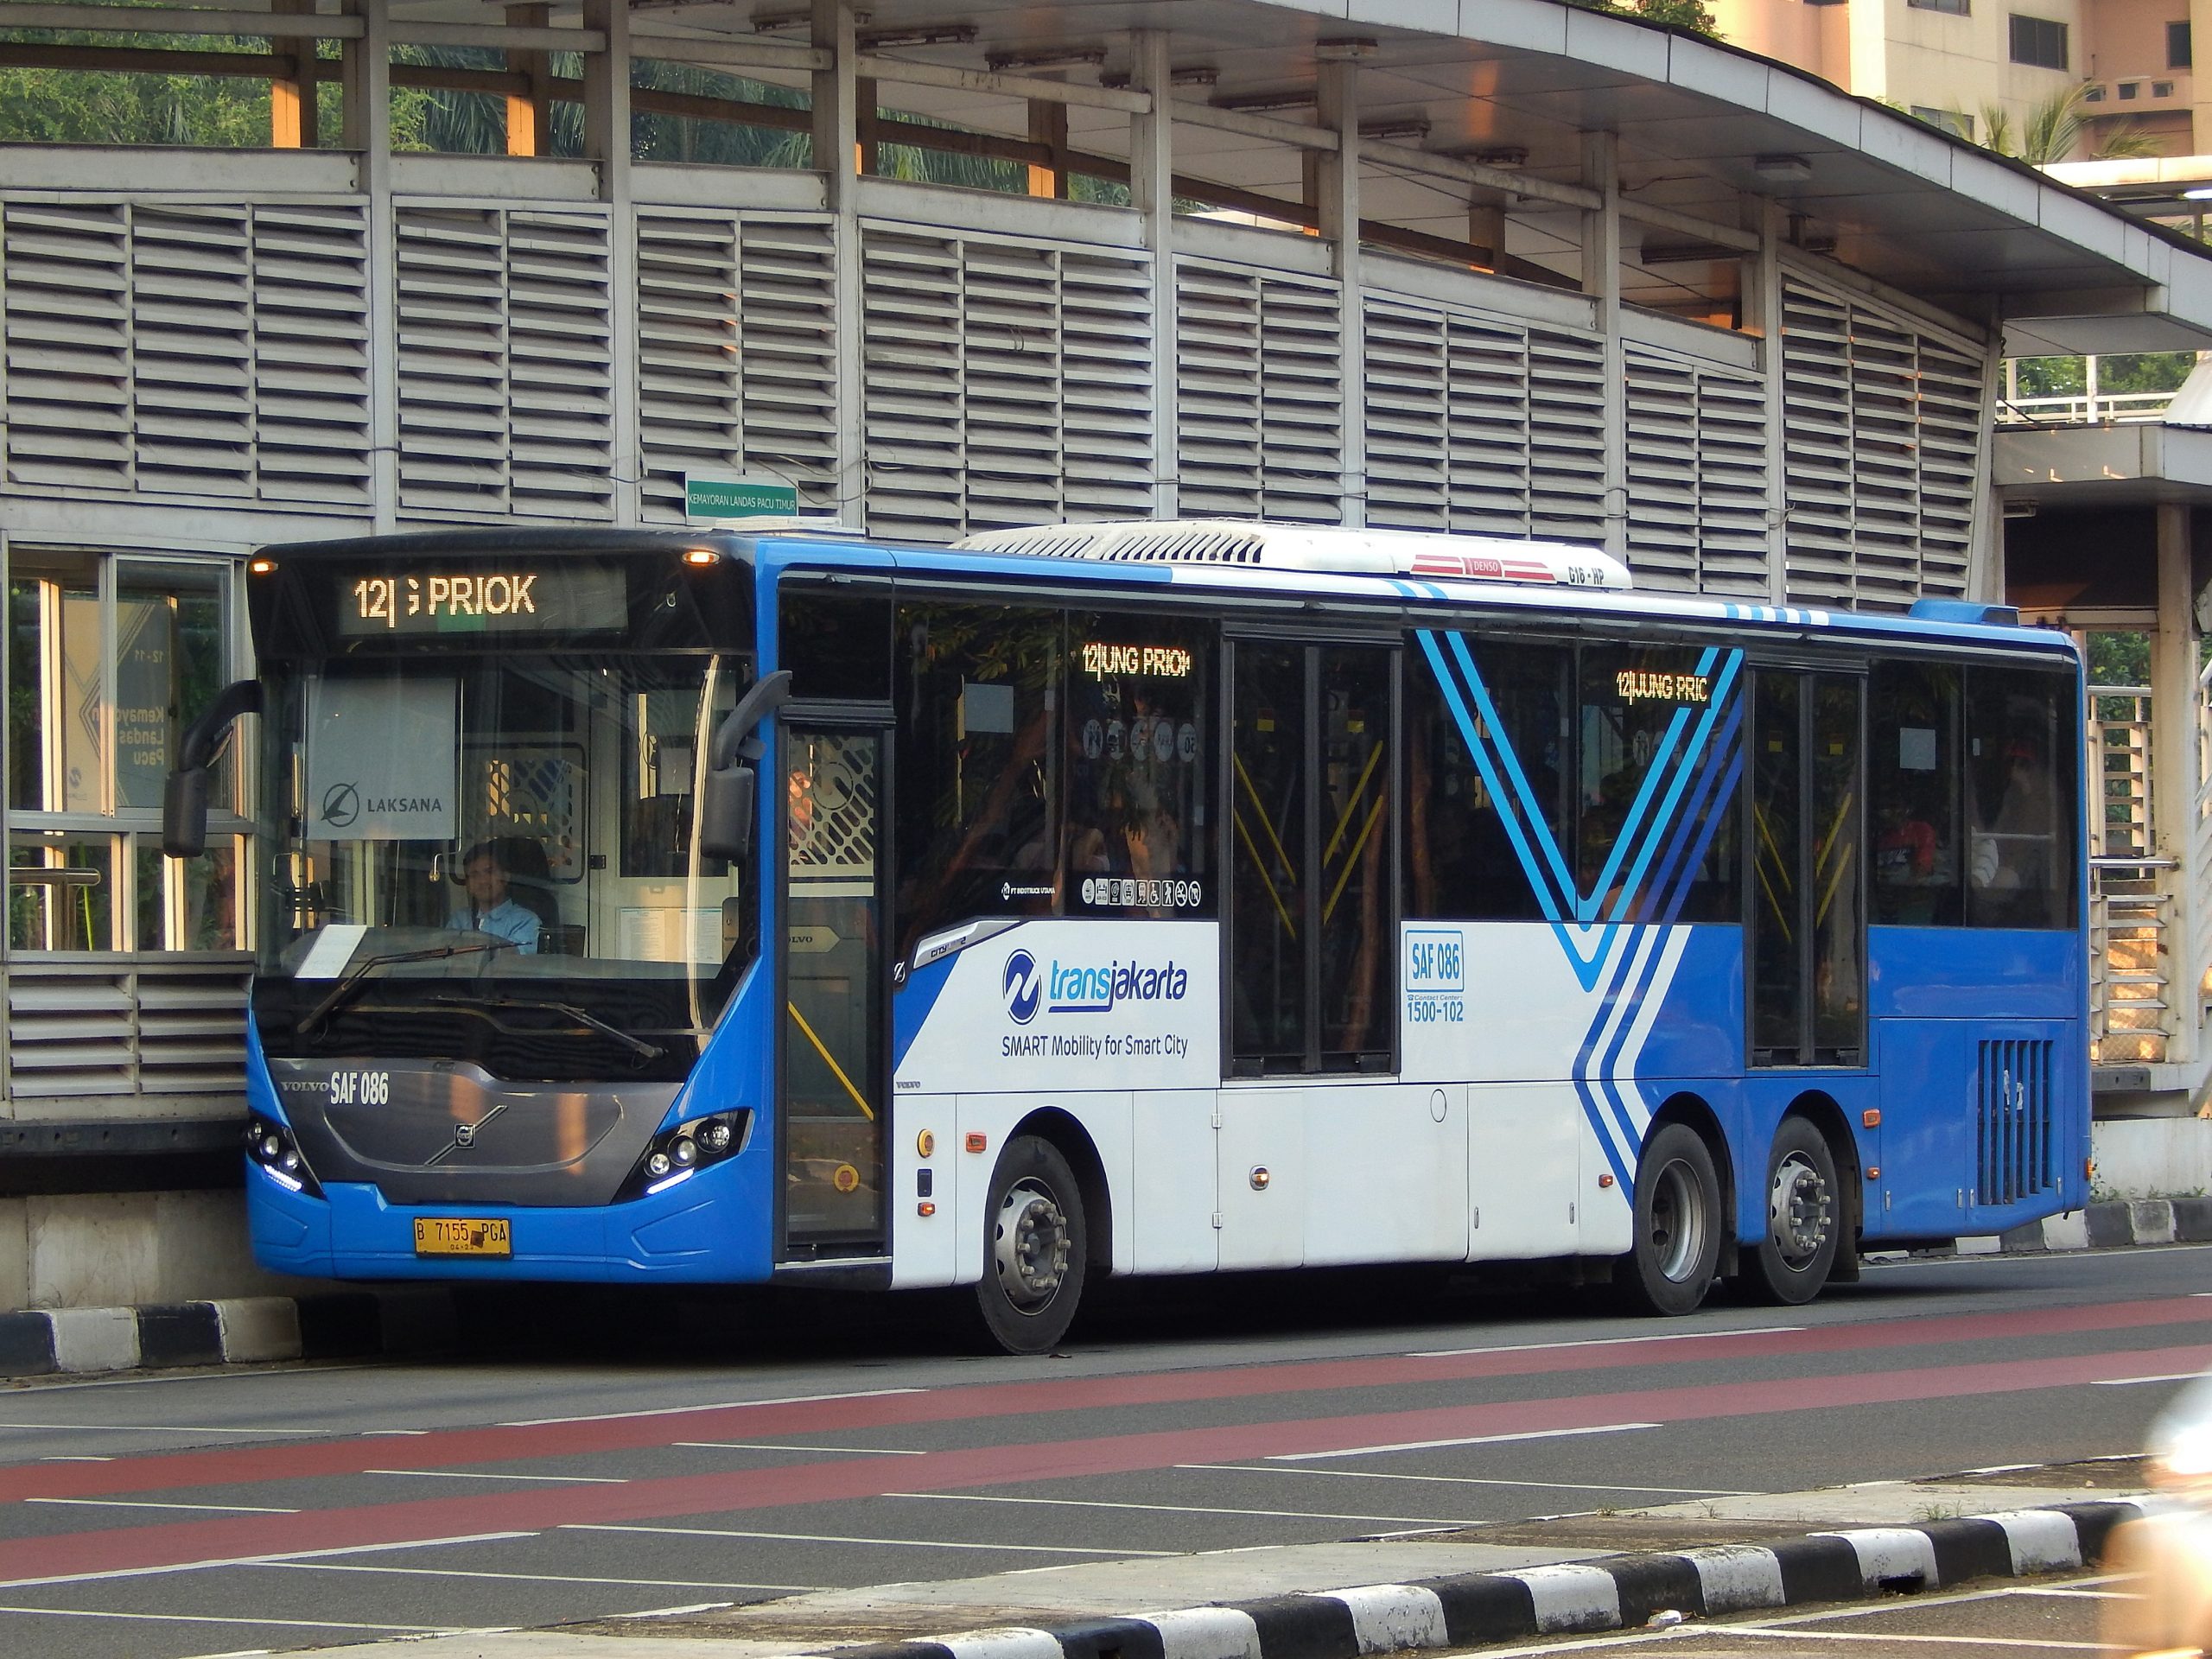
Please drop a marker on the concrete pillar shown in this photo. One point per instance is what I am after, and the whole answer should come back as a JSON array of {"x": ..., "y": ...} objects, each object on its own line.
[
  {"x": 607, "y": 142},
  {"x": 1152, "y": 192},
  {"x": 1762, "y": 280},
  {"x": 365, "y": 104},
  {"x": 1601, "y": 279},
  {"x": 838, "y": 109},
  {"x": 2173, "y": 767},
  {"x": 1337, "y": 198}
]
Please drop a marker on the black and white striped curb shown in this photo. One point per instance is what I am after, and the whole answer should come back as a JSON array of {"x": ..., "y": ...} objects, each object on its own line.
[
  {"x": 1610, "y": 1593},
  {"x": 244, "y": 1330},
  {"x": 2117, "y": 1225}
]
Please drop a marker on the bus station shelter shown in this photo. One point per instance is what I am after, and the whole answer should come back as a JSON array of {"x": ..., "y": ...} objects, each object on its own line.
[{"x": 1510, "y": 267}]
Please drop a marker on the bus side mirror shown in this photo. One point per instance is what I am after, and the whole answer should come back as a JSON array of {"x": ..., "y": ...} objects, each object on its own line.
[
  {"x": 729, "y": 793},
  {"x": 184, "y": 798},
  {"x": 725, "y": 806},
  {"x": 184, "y": 814}
]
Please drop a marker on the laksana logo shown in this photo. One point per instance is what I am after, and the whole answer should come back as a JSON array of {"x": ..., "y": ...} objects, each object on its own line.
[{"x": 1087, "y": 988}]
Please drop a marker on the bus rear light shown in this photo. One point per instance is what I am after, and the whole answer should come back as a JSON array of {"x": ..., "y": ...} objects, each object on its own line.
[
  {"x": 269, "y": 1144},
  {"x": 676, "y": 1154}
]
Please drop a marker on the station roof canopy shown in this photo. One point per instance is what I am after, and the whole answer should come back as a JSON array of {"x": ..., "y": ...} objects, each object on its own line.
[{"x": 1516, "y": 83}]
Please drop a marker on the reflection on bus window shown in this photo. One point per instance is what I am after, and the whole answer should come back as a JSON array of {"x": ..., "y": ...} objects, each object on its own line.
[
  {"x": 1139, "y": 709},
  {"x": 1913, "y": 781},
  {"x": 975, "y": 831},
  {"x": 2020, "y": 867}
]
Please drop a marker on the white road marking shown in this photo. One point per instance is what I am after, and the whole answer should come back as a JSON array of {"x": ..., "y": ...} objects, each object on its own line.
[
  {"x": 218, "y": 1618},
  {"x": 1473, "y": 1480},
  {"x": 836, "y": 1538},
  {"x": 256, "y": 1560},
  {"x": 461, "y": 1474},
  {"x": 524, "y": 1577},
  {"x": 1601, "y": 1342},
  {"x": 149, "y": 1504},
  {"x": 1441, "y": 1523},
  {"x": 676, "y": 1613},
  {"x": 374, "y": 1434},
  {"x": 1464, "y": 1440},
  {"x": 2130, "y": 1381},
  {"x": 165, "y": 1428},
  {"x": 771, "y": 1446},
  {"x": 80, "y": 1457},
  {"x": 1798, "y": 1633},
  {"x": 721, "y": 1405}
]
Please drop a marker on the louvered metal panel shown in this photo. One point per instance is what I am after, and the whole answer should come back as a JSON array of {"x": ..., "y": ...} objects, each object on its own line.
[
  {"x": 215, "y": 352},
  {"x": 1481, "y": 425},
  {"x": 1260, "y": 394},
  {"x": 1007, "y": 383},
  {"x": 736, "y": 353},
  {"x": 107, "y": 1026},
  {"x": 1884, "y": 427},
  {"x": 1696, "y": 475},
  {"x": 2014, "y": 1156},
  {"x": 506, "y": 377}
]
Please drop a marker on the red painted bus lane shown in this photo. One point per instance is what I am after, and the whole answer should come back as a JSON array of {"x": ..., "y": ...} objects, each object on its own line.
[
  {"x": 476, "y": 1447},
  {"x": 123, "y": 1550}
]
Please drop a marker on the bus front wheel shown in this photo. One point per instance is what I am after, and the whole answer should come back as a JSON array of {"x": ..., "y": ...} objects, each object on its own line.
[
  {"x": 1677, "y": 1220},
  {"x": 1035, "y": 1248},
  {"x": 1804, "y": 1220}
]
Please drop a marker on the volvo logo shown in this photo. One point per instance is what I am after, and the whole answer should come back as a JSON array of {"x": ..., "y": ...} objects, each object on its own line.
[
  {"x": 1024, "y": 991},
  {"x": 464, "y": 1135},
  {"x": 341, "y": 804}
]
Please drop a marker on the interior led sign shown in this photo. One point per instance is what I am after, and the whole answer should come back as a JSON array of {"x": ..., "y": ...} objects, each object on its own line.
[
  {"x": 1161, "y": 662},
  {"x": 1651, "y": 685}
]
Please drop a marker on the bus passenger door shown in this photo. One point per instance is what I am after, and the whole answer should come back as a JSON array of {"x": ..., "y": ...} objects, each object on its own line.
[
  {"x": 832, "y": 1061},
  {"x": 1806, "y": 943}
]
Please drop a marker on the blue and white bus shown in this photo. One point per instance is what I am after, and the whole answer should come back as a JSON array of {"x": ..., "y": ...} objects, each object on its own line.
[{"x": 1139, "y": 899}]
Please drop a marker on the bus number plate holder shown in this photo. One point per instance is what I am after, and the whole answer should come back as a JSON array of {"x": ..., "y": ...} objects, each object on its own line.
[{"x": 456, "y": 1235}]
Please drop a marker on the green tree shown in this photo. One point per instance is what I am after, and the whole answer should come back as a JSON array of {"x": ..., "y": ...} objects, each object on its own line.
[{"x": 2054, "y": 128}]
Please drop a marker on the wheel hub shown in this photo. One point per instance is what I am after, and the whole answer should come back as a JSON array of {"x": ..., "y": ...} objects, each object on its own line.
[
  {"x": 1031, "y": 1245},
  {"x": 1798, "y": 1210},
  {"x": 1678, "y": 1223}
]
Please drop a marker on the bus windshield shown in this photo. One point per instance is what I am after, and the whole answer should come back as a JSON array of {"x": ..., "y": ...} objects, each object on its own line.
[{"x": 489, "y": 856}]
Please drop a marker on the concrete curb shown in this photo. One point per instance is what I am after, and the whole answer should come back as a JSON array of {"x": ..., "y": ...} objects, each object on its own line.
[
  {"x": 1611, "y": 1592},
  {"x": 2119, "y": 1225},
  {"x": 245, "y": 1330}
]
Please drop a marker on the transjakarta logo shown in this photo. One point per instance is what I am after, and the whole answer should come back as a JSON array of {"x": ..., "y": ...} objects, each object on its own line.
[
  {"x": 1091, "y": 988},
  {"x": 1024, "y": 995}
]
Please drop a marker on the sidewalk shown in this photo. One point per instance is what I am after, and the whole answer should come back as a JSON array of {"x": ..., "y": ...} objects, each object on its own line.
[{"x": 1500, "y": 1583}]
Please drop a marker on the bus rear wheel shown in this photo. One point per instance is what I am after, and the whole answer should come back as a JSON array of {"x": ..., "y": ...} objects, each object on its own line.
[
  {"x": 1036, "y": 1248},
  {"x": 1677, "y": 1222},
  {"x": 1804, "y": 1219}
]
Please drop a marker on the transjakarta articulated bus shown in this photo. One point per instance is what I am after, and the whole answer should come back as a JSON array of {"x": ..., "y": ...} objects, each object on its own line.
[{"x": 1143, "y": 899}]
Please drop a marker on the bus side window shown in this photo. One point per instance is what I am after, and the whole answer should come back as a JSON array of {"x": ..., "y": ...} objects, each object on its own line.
[
  {"x": 836, "y": 644},
  {"x": 2021, "y": 775},
  {"x": 1136, "y": 753},
  {"x": 1913, "y": 786},
  {"x": 1465, "y": 858},
  {"x": 977, "y": 746}
]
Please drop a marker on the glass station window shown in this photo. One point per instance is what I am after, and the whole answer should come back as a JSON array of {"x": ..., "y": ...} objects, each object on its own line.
[{"x": 110, "y": 656}]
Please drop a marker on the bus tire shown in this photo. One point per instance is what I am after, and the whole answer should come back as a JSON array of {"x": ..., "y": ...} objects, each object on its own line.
[
  {"x": 1804, "y": 1219},
  {"x": 1678, "y": 1226},
  {"x": 1036, "y": 1248}
]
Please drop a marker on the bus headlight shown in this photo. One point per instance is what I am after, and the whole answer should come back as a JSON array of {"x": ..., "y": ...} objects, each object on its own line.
[
  {"x": 270, "y": 1145},
  {"x": 677, "y": 1154}
]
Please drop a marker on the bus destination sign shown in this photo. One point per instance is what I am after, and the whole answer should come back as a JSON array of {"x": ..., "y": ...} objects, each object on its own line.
[{"x": 511, "y": 600}]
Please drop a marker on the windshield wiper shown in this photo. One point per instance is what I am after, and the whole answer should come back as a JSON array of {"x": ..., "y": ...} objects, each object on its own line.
[
  {"x": 644, "y": 1051},
  {"x": 342, "y": 992}
]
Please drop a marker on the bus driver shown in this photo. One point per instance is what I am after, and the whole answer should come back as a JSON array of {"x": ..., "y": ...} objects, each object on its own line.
[{"x": 489, "y": 909}]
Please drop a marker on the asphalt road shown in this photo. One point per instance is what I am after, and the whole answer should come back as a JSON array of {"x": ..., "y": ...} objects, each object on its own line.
[{"x": 596, "y": 1457}]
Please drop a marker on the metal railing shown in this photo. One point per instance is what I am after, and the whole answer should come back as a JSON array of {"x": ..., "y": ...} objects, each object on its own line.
[{"x": 2084, "y": 408}]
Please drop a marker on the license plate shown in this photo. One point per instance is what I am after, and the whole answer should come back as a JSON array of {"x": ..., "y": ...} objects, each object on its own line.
[{"x": 455, "y": 1235}]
